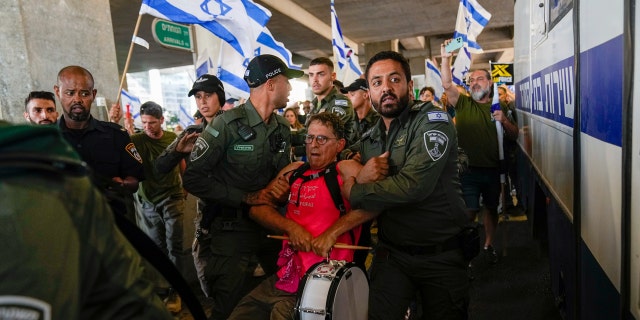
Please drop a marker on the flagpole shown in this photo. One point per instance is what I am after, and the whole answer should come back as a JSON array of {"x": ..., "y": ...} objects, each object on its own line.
[
  {"x": 495, "y": 105},
  {"x": 126, "y": 64}
]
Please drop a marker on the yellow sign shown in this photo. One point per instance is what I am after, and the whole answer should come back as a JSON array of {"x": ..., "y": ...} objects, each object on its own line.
[{"x": 502, "y": 73}]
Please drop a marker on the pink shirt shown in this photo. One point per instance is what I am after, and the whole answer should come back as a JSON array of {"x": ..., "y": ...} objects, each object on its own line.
[{"x": 316, "y": 212}]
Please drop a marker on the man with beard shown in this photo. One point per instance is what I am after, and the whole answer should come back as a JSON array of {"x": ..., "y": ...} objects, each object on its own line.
[
  {"x": 476, "y": 128},
  {"x": 40, "y": 108},
  {"x": 411, "y": 155},
  {"x": 104, "y": 146},
  {"x": 328, "y": 98}
]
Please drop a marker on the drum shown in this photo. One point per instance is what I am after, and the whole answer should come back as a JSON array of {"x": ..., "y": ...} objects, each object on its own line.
[{"x": 333, "y": 290}]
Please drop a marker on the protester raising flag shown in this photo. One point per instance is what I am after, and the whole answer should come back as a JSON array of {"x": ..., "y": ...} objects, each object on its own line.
[
  {"x": 237, "y": 22},
  {"x": 348, "y": 64},
  {"x": 472, "y": 18},
  {"x": 433, "y": 79}
]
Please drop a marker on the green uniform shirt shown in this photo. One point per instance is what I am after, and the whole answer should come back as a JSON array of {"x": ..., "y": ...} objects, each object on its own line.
[
  {"x": 337, "y": 103},
  {"x": 370, "y": 119},
  {"x": 224, "y": 166},
  {"x": 477, "y": 132},
  {"x": 64, "y": 255},
  {"x": 421, "y": 201},
  {"x": 157, "y": 186}
]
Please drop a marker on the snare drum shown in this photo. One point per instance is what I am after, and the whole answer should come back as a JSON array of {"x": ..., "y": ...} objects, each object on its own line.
[{"x": 333, "y": 290}]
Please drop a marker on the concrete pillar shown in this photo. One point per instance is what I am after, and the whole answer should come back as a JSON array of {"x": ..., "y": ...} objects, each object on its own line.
[
  {"x": 371, "y": 48},
  {"x": 417, "y": 65},
  {"x": 40, "y": 38}
]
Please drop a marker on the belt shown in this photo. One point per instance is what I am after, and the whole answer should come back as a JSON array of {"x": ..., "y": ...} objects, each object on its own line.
[
  {"x": 452, "y": 243},
  {"x": 231, "y": 213}
]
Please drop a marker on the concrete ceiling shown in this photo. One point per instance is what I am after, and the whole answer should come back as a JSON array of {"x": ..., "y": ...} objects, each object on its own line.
[{"x": 304, "y": 26}]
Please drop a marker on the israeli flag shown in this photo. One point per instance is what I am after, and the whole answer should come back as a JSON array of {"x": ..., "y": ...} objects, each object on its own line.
[
  {"x": 237, "y": 22},
  {"x": 472, "y": 18},
  {"x": 232, "y": 66},
  {"x": 204, "y": 67},
  {"x": 461, "y": 66},
  {"x": 348, "y": 64},
  {"x": 127, "y": 99},
  {"x": 230, "y": 71},
  {"x": 267, "y": 44},
  {"x": 184, "y": 118},
  {"x": 495, "y": 105},
  {"x": 433, "y": 79}
]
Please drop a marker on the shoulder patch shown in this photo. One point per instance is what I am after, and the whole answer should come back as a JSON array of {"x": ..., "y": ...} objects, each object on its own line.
[
  {"x": 436, "y": 144},
  {"x": 133, "y": 152},
  {"x": 24, "y": 308},
  {"x": 437, "y": 116},
  {"x": 341, "y": 102},
  {"x": 199, "y": 148},
  {"x": 338, "y": 111},
  {"x": 212, "y": 131}
]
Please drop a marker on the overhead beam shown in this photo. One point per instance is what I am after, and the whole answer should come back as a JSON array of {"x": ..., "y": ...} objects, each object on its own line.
[
  {"x": 414, "y": 43},
  {"x": 304, "y": 17}
]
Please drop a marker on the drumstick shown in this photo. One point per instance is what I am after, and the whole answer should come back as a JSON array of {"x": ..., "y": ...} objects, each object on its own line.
[{"x": 337, "y": 245}]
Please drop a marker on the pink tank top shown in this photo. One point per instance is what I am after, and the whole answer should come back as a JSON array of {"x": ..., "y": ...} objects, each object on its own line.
[{"x": 316, "y": 212}]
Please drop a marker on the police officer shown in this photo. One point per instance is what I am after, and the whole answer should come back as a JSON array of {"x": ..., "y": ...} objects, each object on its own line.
[
  {"x": 64, "y": 257},
  {"x": 209, "y": 95},
  {"x": 328, "y": 98},
  {"x": 358, "y": 94},
  {"x": 411, "y": 155},
  {"x": 104, "y": 146},
  {"x": 231, "y": 164}
]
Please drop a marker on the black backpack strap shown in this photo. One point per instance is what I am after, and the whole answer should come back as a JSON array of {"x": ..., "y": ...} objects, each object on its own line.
[
  {"x": 331, "y": 179},
  {"x": 297, "y": 173}
]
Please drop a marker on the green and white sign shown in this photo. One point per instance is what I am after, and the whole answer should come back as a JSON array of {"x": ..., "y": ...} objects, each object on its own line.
[{"x": 172, "y": 35}]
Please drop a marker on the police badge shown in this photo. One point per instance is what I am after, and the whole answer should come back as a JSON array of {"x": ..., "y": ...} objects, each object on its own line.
[
  {"x": 436, "y": 144},
  {"x": 199, "y": 148}
]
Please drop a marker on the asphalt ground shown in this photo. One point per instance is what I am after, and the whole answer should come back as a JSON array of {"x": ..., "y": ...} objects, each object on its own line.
[{"x": 517, "y": 287}]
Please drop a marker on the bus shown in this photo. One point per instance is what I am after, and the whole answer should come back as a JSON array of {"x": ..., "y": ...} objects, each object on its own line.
[{"x": 574, "y": 69}]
